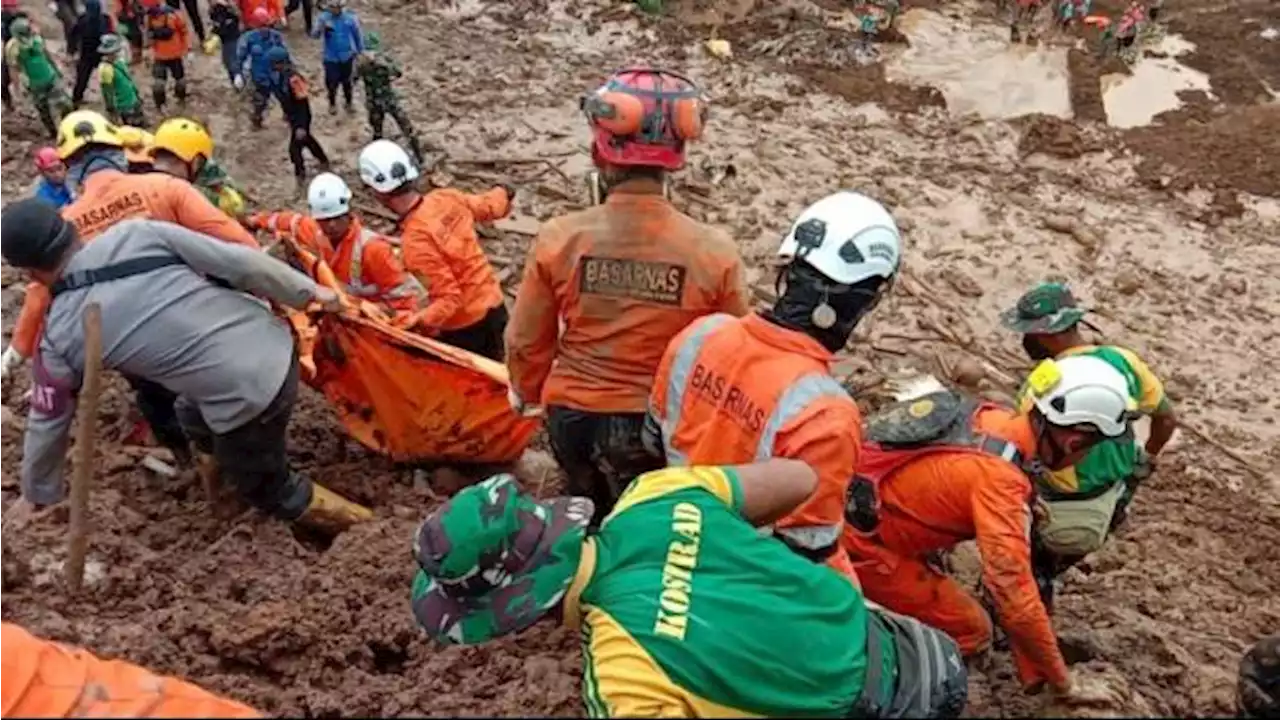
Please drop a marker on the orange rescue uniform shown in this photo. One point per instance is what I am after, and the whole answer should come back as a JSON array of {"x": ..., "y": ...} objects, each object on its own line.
[
  {"x": 364, "y": 261},
  {"x": 275, "y": 9},
  {"x": 741, "y": 390},
  {"x": 625, "y": 277},
  {"x": 44, "y": 679},
  {"x": 440, "y": 248},
  {"x": 176, "y": 45},
  {"x": 942, "y": 498},
  {"x": 109, "y": 196}
]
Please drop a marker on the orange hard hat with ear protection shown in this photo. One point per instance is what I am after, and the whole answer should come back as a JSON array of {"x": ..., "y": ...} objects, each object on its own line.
[{"x": 643, "y": 117}]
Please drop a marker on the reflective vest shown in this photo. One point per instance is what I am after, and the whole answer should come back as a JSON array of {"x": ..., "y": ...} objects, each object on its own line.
[{"x": 356, "y": 285}]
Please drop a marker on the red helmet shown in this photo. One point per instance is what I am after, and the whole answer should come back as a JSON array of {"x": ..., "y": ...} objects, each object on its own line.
[
  {"x": 260, "y": 17},
  {"x": 46, "y": 158},
  {"x": 643, "y": 117}
]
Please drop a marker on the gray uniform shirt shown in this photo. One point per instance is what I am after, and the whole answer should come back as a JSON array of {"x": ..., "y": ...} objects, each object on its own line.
[{"x": 221, "y": 349}]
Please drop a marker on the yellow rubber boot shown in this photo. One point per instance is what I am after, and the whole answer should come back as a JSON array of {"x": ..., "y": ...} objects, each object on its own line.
[{"x": 330, "y": 512}]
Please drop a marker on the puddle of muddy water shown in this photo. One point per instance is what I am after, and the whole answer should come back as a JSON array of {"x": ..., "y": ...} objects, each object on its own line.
[
  {"x": 978, "y": 70},
  {"x": 1134, "y": 100}
]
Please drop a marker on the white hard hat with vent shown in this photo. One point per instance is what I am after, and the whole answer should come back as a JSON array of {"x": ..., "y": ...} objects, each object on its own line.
[
  {"x": 329, "y": 197},
  {"x": 1083, "y": 390},
  {"x": 385, "y": 166},
  {"x": 848, "y": 237}
]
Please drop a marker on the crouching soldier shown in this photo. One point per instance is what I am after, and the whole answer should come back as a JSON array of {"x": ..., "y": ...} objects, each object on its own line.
[{"x": 231, "y": 362}]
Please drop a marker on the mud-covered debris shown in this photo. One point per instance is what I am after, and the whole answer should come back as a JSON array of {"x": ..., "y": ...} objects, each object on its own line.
[
  {"x": 718, "y": 48},
  {"x": 961, "y": 282},
  {"x": 1128, "y": 282},
  {"x": 1087, "y": 238}
]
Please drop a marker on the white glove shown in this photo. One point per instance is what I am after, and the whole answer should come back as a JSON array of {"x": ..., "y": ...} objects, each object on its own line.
[
  {"x": 239, "y": 82},
  {"x": 10, "y": 361}
]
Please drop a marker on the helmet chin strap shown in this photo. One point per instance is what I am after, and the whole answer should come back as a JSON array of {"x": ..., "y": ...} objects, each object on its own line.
[{"x": 1045, "y": 438}]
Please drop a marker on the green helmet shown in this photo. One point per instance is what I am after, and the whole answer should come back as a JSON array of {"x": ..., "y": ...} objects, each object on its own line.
[
  {"x": 1046, "y": 309},
  {"x": 373, "y": 41},
  {"x": 494, "y": 561},
  {"x": 21, "y": 27}
]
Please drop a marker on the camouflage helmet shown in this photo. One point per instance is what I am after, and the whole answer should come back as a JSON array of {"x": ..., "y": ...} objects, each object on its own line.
[
  {"x": 1046, "y": 309},
  {"x": 372, "y": 41},
  {"x": 494, "y": 561}
]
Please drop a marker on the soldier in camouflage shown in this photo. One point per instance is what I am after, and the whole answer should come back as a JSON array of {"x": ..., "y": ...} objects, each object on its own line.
[{"x": 378, "y": 71}]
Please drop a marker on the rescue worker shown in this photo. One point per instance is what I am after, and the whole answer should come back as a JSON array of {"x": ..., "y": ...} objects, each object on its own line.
[
  {"x": 1088, "y": 500},
  {"x": 252, "y": 51},
  {"x": 183, "y": 148},
  {"x": 86, "y": 39},
  {"x": 231, "y": 362},
  {"x": 291, "y": 89},
  {"x": 742, "y": 389},
  {"x": 8, "y": 13},
  {"x": 94, "y": 153},
  {"x": 53, "y": 187},
  {"x": 439, "y": 246},
  {"x": 363, "y": 261},
  {"x": 226, "y": 27},
  {"x": 684, "y": 609},
  {"x": 943, "y": 469},
  {"x": 605, "y": 290},
  {"x": 52, "y": 680},
  {"x": 343, "y": 43},
  {"x": 1258, "y": 691},
  {"x": 378, "y": 70},
  {"x": 27, "y": 53},
  {"x": 169, "y": 39},
  {"x": 119, "y": 91},
  {"x": 137, "y": 149}
]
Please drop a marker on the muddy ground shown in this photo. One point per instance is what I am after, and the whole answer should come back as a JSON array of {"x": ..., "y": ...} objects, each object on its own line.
[{"x": 1165, "y": 230}]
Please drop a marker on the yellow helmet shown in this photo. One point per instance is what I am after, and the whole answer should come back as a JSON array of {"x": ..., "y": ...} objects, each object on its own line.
[
  {"x": 137, "y": 144},
  {"x": 185, "y": 138},
  {"x": 85, "y": 127}
]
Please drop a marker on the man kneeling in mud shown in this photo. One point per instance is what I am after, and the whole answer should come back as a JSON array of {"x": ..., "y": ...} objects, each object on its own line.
[{"x": 685, "y": 609}]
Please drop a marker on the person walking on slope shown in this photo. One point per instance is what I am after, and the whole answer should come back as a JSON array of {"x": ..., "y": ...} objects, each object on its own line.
[
  {"x": 9, "y": 12},
  {"x": 183, "y": 148},
  {"x": 605, "y": 289},
  {"x": 1090, "y": 499},
  {"x": 86, "y": 39},
  {"x": 439, "y": 246},
  {"x": 169, "y": 39},
  {"x": 378, "y": 70},
  {"x": 119, "y": 91},
  {"x": 27, "y": 53},
  {"x": 252, "y": 52},
  {"x": 292, "y": 90},
  {"x": 363, "y": 261},
  {"x": 226, "y": 28},
  {"x": 945, "y": 468},
  {"x": 231, "y": 362},
  {"x": 343, "y": 42},
  {"x": 53, "y": 187},
  {"x": 741, "y": 389},
  {"x": 130, "y": 17},
  {"x": 672, "y": 597}
]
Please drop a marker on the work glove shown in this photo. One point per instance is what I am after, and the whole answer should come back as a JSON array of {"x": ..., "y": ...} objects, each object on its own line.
[
  {"x": 10, "y": 361},
  {"x": 238, "y": 82}
]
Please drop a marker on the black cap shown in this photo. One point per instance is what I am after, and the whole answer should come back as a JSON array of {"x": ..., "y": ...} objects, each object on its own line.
[{"x": 33, "y": 236}]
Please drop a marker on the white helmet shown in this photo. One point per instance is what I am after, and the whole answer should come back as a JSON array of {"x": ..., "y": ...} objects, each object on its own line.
[
  {"x": 385, "y": 166},
  {"x": 848, "y": 237},
  {"x": 329, "y": 197},
  {"x": 1083, "y": 390}
]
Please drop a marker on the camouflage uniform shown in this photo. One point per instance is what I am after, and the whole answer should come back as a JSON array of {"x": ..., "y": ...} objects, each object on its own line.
[
  {"x": 378, "y": 71},
  {"x": 26, "y": 52}
]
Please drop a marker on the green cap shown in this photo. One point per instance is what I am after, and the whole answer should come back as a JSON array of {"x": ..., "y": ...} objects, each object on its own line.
[
  {"x": 1046, "y": 309},
  {"x": 494, "y": 560}
]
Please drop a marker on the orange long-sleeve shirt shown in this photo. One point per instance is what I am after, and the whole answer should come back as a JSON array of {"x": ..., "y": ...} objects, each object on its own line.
[
  {"x": 440, "y": 248},
  {"x": 109, "y": 196},
  {"x": 945, "y": 497},
  {"x": 175, "y": 46},
  {"x": 624, "y": 277}
]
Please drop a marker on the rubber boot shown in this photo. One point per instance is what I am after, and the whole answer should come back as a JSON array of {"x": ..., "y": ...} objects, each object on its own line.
[
  {"x": 157, "y": 96},
  {"x": 330, "y": 512}
]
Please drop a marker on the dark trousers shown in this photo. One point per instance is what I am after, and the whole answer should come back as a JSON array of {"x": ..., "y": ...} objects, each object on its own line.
[
  {"x": 483, "y": 338},
  {"x": 261, "y": 98},
  {"x": 197, "y": 22},
  {"x": 8, "y": 95},
  {"x": 306, "y": 10},
  {"x": 307, "y": 141},
  {"x": 85, "y": 65},
  {"x": 600, "y": 452},
  {"x": 253, "y": 456},
  {"x": 157, "y": 405},
  {"x": 160, "y": 72},
  {"x": 229, "y": 58},
  {"x": 335, "y": 74}
]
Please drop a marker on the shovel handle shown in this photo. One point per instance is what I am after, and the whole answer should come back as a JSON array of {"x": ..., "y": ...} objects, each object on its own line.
[{"x": 86, "y": 437}]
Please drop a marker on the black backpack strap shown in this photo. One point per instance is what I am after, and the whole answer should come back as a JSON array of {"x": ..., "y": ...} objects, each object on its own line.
[{"x": 117, "y": 271}]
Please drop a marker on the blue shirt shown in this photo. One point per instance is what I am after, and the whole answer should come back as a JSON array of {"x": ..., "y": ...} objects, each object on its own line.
[
  {"x": 58, "y": 196},
  {"x": 252, "y": 49},
  {"x": 341, "y": 32}
]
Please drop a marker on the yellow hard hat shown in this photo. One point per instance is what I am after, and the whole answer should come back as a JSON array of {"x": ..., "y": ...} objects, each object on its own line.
[
  {"x": 137, "y": 143},
  {"x": 85, "y": 127},
  {"x": 185, "y": 138}
]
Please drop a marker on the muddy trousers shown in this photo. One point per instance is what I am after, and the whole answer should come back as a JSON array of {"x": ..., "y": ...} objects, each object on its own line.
[
  {"x": 8, "y": 93},
  {"x": 601, "y": 453},
  {"x": 293, "y": 5},
  {"x": 261, "y": 98},
  {"x": 253, "y": 455},
  {"x": 229, "y": 59},
  {"x": 160, "y": 73},
  {"x": 378, "y": 112},
  {"x": 159, "y": 408},
  {"x": 85, "y": 65},
  {"x": 51, "y": 104},
  {"x": 339, "y": 74},
  {"x": 197, "y": 22},
  {"x": 297, "y": 144},
  {"x": 483, "y": 338}
]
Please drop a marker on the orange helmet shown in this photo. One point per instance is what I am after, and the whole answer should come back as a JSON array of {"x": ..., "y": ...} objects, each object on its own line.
[{"x": 644, "y": 117}]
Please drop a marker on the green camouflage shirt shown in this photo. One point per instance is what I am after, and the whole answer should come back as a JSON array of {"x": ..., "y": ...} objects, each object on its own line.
[{"x": 378, "y": 72}]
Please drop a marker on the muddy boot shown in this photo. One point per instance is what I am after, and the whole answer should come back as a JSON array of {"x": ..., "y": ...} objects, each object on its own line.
[
  {"x": 207, "y": 468},
  {"x": 416, "y": 148},
  {"x": 330, "y": 512},
  {"x": 157, "y": 96},
  {"x": 299, "y": 185}
]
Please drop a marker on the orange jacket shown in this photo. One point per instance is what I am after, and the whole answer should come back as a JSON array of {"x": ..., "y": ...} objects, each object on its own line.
[
  {"x": 275, "y": 8},
  {"x": 439, "y": 247},
  {"x": 624, "y": 277},
  {"x": 176, "y": 45},
  {"x": 364, "y": 261},
  {"x": 740, "y": 390},
  {"x": 44, "y": 679},
  {"x": 109, "y": 196},
  {"x": 945, "y": 497}
]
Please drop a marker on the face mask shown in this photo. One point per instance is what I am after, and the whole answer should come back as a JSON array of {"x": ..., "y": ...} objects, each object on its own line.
[{"x": 1035, "y": 349}]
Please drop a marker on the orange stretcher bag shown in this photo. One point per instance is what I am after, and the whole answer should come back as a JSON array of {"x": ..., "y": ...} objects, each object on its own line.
[{"x": 406, "y": 396}]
